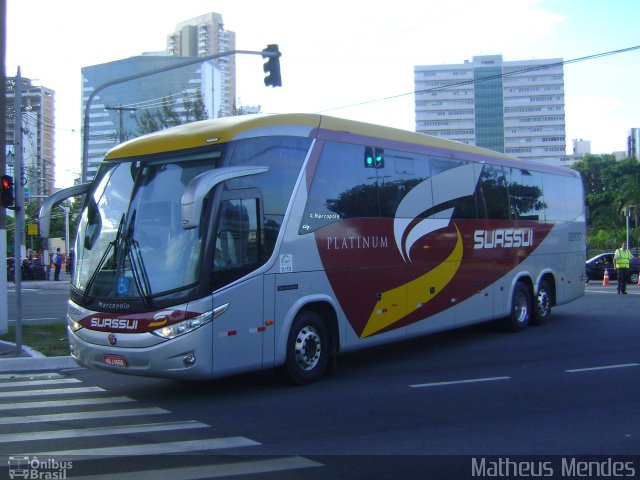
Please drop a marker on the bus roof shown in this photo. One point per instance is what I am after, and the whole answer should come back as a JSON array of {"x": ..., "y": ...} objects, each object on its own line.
[{"x": 221, "y": 130}]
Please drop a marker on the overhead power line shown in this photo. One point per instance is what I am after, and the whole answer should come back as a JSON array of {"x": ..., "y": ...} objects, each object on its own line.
[{"x": 488, "y": 78}]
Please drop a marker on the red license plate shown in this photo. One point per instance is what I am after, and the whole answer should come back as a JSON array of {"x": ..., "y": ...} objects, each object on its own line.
[{"x": 117, "y": 360}]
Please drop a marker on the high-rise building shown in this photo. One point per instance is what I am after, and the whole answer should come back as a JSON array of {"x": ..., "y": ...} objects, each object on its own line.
[
  {"x": 633, "y": 143},
  {"x": 202, "y": 36},
  {"x": 514, "y": 107},
  {"x": 38, "y": 125},
  {"x": 115, "y": 111}
]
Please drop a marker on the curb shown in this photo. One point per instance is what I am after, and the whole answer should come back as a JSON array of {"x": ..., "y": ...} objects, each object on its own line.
[
  {"x": 34, "y": 361},
  {"x": 40, "y": 364}
]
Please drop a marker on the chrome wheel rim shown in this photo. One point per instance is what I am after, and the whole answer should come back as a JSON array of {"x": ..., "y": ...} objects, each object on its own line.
[{"x": 308, "y": 348}]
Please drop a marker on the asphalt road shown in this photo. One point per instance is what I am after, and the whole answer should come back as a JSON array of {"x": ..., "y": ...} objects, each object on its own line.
[{"x": 435, "y": 407}]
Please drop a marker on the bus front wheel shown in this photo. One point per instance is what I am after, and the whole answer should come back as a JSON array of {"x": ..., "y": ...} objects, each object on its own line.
[
  {"x": 307, "y": 349},
  {"x": 520, "y": 315}
]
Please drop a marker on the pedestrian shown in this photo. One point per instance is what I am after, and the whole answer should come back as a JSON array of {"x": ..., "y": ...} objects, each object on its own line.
[
  {"x": 56, "y": 261},
  {"x": 621, "y": 263}
]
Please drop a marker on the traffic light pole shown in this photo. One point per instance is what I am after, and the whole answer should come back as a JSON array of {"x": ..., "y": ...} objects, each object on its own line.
[
  {"x": 99, "y": 88},
  {"x": 18, "y": 209}
]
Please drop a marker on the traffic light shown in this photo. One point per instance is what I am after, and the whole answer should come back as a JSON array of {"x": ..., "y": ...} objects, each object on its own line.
[
  {"x": 373, "y": 157},
  {"x": 272, "y": 66},
  {"x": 7, "y": 196}
]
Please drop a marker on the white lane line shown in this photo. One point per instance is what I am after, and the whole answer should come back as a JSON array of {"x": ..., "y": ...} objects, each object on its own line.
[
  {"x": 456, "y": 382},
  {"x": 39, "y": 383},
  {"x": 29, "y": 376},
  {"x": 60, "y": 417},
  {"x": 188, "y": 446},
  {"x": 69, "y": 402},
  {"x": 100, "y": 431},
  {"x": 51, "y": 391},
  {"x": 213, "y": 471},
  {"x": 603, "y": 367}
]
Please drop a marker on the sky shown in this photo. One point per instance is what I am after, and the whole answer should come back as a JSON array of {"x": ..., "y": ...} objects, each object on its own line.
[{"x": 346, "y": 58}]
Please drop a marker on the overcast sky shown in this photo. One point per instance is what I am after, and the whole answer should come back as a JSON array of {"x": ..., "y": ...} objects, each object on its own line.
[{"x": 347, "y": 58}]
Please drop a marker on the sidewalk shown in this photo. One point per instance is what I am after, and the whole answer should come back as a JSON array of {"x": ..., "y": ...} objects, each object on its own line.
[{"x": 31, "y": 360}]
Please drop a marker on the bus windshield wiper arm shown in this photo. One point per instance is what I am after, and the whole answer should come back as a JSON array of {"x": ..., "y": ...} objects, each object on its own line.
[
  {"x": 111, "y": 245},
  {"x": 138, "y": 268}
]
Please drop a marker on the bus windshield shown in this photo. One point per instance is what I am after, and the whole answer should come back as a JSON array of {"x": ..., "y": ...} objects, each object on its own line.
[{"x": 130, "y": 239}]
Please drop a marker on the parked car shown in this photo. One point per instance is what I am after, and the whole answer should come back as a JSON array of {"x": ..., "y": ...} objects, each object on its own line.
[{"x": 595, "y": 268}]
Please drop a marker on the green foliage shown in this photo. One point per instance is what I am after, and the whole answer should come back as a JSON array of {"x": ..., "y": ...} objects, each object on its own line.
[
  {"x": 49, "y": 339},
  {"x": 611, "y": 187},
  {"x": 168, "y": 116}
]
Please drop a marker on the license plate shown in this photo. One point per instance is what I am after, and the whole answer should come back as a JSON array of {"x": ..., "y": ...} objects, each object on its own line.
[{"x": 117, "y": 360}]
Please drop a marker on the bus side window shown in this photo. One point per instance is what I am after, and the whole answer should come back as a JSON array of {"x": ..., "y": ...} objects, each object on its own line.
[{"x": 237, "y": 236}]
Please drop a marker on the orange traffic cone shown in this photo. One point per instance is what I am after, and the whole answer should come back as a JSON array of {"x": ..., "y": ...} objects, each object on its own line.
[{"x": 605, "y": 280}]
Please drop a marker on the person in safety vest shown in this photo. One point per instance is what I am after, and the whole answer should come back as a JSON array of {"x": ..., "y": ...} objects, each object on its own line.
[{"x": 621, "y": 262}]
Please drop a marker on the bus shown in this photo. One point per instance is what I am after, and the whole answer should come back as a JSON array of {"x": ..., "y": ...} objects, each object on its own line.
[{"x": 262, "y": 241}]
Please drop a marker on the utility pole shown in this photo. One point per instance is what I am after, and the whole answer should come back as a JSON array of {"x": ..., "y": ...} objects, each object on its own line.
[
  {"x": 4, "y": 323},
  {"x": 120, "y": 109},
  {"x": 19, "y": 207}
]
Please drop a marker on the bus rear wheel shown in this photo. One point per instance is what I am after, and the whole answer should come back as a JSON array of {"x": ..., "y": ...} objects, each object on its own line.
[
  {"x": 542, "y": 312},
  {"x": 307, "y": 349},
  {"x": 520, "y": 315}
]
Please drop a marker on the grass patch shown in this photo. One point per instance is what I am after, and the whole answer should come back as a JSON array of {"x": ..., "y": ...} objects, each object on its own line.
[{"x": 49, "y": 339}]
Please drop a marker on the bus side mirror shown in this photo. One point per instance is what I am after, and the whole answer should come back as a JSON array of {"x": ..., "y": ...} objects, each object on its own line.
[
  {"x": 50, "y": 202},
  {"x": 198, "y": 188}
]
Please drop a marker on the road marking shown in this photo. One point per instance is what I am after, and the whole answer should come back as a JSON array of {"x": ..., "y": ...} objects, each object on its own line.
[
  {"x": 456, "y": 382},
  {"x": 34, "y": 383},
  {"x": 51, "y": 391},
  {"x": 29, "y": 376},
  {"x": 604, "y": 367},
  {"x": 213, "y": 471},
  {"x": 188, "y": 446},
  {"x": 100, "y": 431},
  {"x": 59, "y": 417},
  {"x": 65, "y": 403}
]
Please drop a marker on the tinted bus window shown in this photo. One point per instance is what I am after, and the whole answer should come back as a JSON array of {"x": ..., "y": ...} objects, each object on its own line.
[
  {"x": 525, "y": 195},
  {"x": 554, "y": 198},
  {"x": 494, "y": 201},
  {"x": 453, "y": 186},
  {"x": 573, "y": 198},
  {"x": 284, "y": 156}
]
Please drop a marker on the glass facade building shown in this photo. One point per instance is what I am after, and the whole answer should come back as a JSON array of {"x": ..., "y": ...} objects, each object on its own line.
[
  {"x": 513, "y": 107},
  {"x": 114, "y": 111}
]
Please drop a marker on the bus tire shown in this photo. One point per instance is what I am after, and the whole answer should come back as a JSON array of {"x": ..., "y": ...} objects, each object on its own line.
[
  {"x": 307, "y": 349},
  {"x": 520, "y": 315},
  {"x": 542, "y": 310}
]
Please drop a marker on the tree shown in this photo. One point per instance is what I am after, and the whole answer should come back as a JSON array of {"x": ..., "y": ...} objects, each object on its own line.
[
  {"x": 193, "y": 109},
  {"x": 611, "y": 186}
]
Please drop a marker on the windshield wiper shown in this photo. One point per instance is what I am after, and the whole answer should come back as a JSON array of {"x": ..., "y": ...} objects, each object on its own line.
[
  {"x": 140, "y": 276},
  {"x": 111, "y": 245}
]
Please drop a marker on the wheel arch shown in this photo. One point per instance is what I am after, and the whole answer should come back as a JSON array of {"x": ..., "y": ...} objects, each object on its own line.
[{"x": 324, "y": 306}]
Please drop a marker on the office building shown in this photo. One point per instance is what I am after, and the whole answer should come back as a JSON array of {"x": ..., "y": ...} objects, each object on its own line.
[
  {"x": 514, "y": 107},
  {"x": 633, "y": 143},
  {"x": 114, "y": 112},
  {"x": 38, "y": 126},
  {"x": 202, "y": 36}
]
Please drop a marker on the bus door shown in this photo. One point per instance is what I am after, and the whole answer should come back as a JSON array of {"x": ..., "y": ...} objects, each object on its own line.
[{"x": 238, "y": 333}]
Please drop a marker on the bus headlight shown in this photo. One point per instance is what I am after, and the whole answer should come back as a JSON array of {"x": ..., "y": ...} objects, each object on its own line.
[
  {"x": 177, "y": 329},
  {"x": 73, "y": 325}
]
